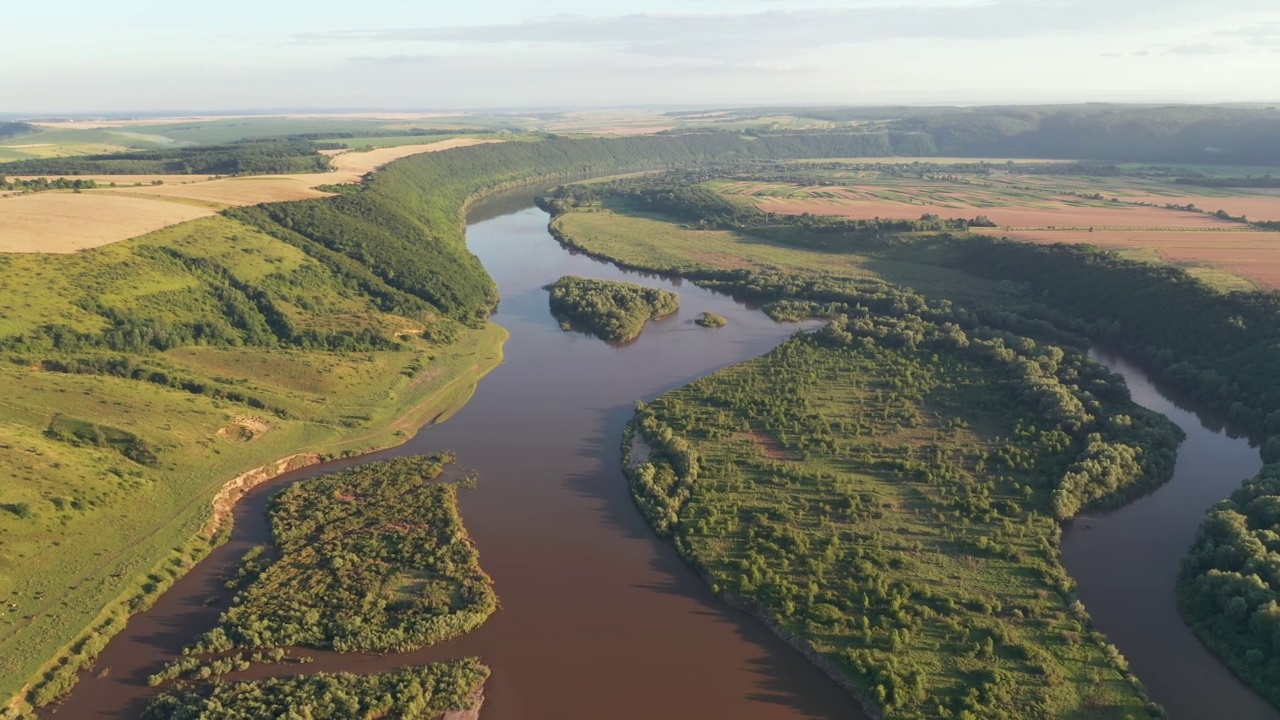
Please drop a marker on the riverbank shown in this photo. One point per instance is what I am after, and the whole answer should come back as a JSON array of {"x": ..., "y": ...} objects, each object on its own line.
[
  {"x": 197, "y": 525},
  {"x": 635, "y": 452}
]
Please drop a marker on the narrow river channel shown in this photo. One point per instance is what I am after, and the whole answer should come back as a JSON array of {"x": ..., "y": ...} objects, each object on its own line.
[
  {"x": 1126, "y": 561},
  {"x": 599, "y": 618}
]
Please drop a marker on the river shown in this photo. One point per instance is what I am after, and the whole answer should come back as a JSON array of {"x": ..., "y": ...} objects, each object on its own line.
[
  {"x": 1125, "y": 563},
  {"x": 599, "y": 618}
]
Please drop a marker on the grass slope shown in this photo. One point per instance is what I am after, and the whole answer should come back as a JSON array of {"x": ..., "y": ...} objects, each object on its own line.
[{"x": 99, "y": 534}]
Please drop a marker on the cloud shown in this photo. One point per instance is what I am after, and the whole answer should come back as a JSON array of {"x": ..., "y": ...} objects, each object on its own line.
[
  {"x": 1264, "y": 35},
  {"x": 755, "y": 69},
  {"x": 394, "y": 59},
  {"x": 785, "y": 32},
  {"x": 1198, "y": 49}
]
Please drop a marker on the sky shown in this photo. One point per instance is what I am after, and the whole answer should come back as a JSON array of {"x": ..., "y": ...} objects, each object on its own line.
[{"x": 75, "y": 56}]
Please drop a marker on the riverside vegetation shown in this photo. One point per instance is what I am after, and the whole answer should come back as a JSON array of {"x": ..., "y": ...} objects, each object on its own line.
[
  {"x": 895, "y": 506},
  {"x": 1230, "y": 582},
  {"x": 420, "y": 693},
  {"x": 1220, "y": 350},
  {"x": 608, "y": 309}
]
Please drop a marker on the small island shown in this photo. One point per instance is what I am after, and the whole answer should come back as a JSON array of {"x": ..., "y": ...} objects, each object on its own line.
[
  {"x": 611, "y": 310},
  {"x": 711, "y": 320},
  {"x": 371, "y": 559}
]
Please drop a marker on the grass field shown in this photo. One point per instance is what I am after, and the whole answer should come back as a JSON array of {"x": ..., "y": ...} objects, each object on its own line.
[
  {"x": 652, "y": 242},
  {"x": 84, "y": 528}
]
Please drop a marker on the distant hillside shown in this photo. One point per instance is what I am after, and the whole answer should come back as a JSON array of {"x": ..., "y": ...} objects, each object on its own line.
[
  {"x": 9, "y": 129},
  {"x": 1222, "y": 135},
  {"x": 1199, "y": 134}
]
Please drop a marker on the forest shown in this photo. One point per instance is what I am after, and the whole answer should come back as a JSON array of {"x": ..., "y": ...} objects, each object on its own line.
[
  {"x": 1220, "y": 348},
  {"x": 418, "y": 693},
  {"x": 611, "y": 310},
  {"x": 250, "y": 157},
  {"x": 1213, "y": 135},
  {"x": 232, "y": 313},
  {"x": 372, "y": 559}
]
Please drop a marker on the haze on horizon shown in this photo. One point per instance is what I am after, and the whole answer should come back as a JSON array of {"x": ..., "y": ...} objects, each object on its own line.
[{"x": 144, "y": 55}]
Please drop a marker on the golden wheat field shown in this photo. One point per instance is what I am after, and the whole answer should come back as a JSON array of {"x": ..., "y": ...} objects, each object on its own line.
[{"x": 67, "y": 222}]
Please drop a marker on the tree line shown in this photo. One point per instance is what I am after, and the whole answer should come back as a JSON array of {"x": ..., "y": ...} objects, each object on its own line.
[
  {"x": 416, "y": 693},
  {"x": 41, "y": 184},
  {"x": 249, "y": 157}
]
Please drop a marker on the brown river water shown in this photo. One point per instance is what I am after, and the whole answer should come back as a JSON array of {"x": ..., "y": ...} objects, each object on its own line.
[{"x": 599, "y": 618}]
